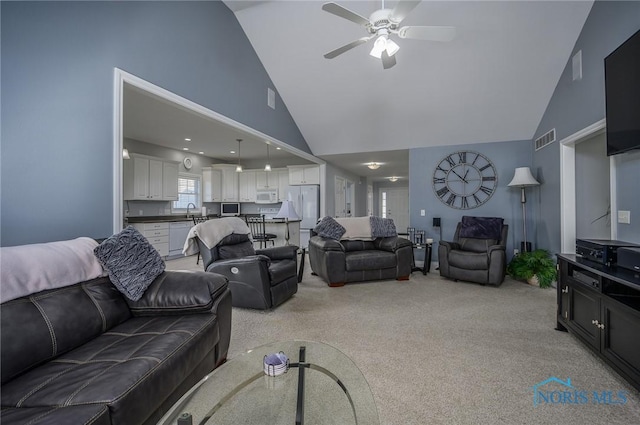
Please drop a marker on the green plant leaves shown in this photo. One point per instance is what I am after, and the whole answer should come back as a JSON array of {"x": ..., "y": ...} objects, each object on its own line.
[{"x": 527, "y": 264}]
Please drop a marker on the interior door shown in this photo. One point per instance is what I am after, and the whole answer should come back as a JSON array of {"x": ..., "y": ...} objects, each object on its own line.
[{"x": 394, "y": 204}]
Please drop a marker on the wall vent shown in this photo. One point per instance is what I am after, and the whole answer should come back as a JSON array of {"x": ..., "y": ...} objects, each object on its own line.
[{"x": 546, "y": 139}]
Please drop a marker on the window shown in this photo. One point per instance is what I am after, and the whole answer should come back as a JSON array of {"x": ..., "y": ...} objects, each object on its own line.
[{"x": 189, "y": 190}]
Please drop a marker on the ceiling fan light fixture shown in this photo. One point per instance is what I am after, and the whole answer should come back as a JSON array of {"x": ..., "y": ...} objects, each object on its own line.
[
  {"x": 373, "y": 165},
  {"x": 392, "y": 47},
  {"x": 379, "y": 46}
]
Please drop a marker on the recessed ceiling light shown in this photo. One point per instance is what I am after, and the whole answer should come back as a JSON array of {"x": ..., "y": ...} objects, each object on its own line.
[
  {"x": 232, "y": 151},
  {"x": 201, "y": 153},
  {"x": 187, "y": 140},
  {"x": 185, "y": 149},
  {"x": 278, "y": 148}
]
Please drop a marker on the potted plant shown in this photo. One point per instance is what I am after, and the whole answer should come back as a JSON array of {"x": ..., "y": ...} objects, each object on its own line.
[{"x": 536, "y": 265}]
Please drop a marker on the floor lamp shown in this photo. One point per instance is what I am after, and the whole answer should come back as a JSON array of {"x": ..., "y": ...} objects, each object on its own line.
[
  {"x": 523, "y": 178},
  {"x": 288, "y": 212}
]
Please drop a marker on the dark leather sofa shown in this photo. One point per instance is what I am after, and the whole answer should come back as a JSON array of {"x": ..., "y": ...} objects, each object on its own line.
[
  {"x": 340, "y": 262},
  {"x": 85, "y": 354}
]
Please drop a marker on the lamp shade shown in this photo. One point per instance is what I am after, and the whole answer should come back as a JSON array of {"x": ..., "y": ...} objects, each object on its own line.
[
  {"x": 287, "y": 211},
  {"x": 523, "y": 178}
]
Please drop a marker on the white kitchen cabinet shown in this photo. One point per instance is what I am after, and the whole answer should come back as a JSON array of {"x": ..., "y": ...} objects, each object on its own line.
[
  {"x": 229, "y": 182},
  {"x": 283, "y": 185},
  {"x": 211, "y": 185},
  {"x": 303, "y": 174},
  {"x": 170, "y": 181},
  {"x": 267, "y": 179},
  {"x": 157, "y": 234},
  {"x": 144, "y": 179},
  {"x": 247, "y": 186}
]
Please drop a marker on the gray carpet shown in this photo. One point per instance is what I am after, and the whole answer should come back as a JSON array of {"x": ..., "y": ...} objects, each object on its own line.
[{"x": 436, "y": 351}]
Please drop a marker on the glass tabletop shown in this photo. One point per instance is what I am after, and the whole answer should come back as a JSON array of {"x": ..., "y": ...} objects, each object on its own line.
[{"x": 322, "y": 386}]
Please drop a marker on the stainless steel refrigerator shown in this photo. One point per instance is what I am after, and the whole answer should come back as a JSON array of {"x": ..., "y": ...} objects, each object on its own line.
[{"x": 306, "y": 201}]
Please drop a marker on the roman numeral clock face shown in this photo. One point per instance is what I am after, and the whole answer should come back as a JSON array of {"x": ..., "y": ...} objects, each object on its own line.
[{"x": 464, "y": 180}]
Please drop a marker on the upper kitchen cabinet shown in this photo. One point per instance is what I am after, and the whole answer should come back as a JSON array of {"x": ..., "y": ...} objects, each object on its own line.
[
  {"x": 303, "y": 174},
  {"x": 267, "y": 179},
  {"x": 211, "y": 185},
  {"x": 229, "y": 182},
  {"x": 247, "y": 186},
  {"x": 144, "y": 179}
]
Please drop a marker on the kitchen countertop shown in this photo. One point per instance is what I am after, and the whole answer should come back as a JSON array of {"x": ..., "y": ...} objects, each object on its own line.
[{"x": 177, "y": 218}]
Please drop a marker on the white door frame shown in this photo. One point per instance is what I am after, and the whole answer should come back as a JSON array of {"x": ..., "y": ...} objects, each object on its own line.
[{"x": 568, "y": 186}]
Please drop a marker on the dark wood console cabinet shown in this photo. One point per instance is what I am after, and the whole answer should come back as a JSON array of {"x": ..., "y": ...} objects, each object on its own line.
[{"x": 601, "y": 306}]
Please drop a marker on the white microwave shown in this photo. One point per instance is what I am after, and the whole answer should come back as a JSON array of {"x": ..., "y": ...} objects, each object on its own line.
[{"x": 267, "y": 196}]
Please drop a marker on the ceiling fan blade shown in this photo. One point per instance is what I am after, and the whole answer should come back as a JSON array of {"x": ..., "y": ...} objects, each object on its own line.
[
  {"x": 402, "y": 9},
  {"x": 428, "y": 33},
  {"x": 345, "y": 13},
  {"x": 388, "y": 61},
  {"x": 340, "y": 50}
]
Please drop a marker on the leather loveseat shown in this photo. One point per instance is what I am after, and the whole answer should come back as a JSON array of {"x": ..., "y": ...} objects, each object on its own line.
[
  {"x": 340, "y": 262},
  {"x": 85, "y": 354}
]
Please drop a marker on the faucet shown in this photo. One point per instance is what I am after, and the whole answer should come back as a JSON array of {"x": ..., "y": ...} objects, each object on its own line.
[{"x": 188, "y": 205}]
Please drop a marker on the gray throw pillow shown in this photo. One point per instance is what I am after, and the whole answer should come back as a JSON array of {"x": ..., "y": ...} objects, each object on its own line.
[
  {"x": 382, "y": 227},
  {"x": 329, "y": 228},
  {"x": 131, "y": 261}
]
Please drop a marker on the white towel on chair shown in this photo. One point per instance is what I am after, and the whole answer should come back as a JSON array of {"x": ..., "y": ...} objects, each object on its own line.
[{"x": 211, "y": 232}]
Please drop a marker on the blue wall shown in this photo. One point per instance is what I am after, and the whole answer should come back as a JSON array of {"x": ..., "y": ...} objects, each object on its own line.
[
  {"x": 58, "y": 61},
  {"x": 578, "y": 104},
  {"x": 505, "y": 202}
]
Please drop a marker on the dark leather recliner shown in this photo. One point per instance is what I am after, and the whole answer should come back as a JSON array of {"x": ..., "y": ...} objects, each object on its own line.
[
  {"x": 259, "y": 279},
  {"x": 474, "y": 259}
]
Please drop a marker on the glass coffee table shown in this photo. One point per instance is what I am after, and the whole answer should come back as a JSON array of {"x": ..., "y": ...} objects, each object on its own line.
[{"x": 322, "y": 386}]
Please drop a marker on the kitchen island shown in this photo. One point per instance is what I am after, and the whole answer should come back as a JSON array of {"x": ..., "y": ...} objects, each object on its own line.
[{"x": 167, "y": 233}]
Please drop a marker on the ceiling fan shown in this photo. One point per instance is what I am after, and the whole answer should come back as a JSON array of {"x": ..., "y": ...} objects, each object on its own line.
[{"x": 381, "y": 24}]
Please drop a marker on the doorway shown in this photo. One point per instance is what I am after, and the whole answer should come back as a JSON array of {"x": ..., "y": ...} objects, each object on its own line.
[
  {"x": 394, "y": 204},
  {"x": 344, "y": 193}
]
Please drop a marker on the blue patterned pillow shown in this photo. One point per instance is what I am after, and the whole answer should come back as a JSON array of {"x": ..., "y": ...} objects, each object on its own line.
[
  {"x": 329, "y": 228},
  {"x": 382, "y": 227},
  {"x": 131, "y": 261}
]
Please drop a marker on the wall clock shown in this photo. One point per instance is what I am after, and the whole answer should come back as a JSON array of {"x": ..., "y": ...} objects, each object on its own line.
[
  {"x": 187, "y": 163},
  {"x": 464, "y": 180}
]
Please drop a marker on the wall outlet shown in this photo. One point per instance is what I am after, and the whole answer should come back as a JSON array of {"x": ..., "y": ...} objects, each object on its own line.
[
  {"x": 423, "y": 213},
  {"x": 624, "y": 217},
  {"x": 516, "y": 251},
  {"x": 140, "y": 212}
]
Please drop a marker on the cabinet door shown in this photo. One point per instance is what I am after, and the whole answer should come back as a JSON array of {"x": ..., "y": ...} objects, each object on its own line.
[
  {"x": 262, "y": 179},
  {"x": 620, "y": 342},
  {"x": 296, "y": 175},
  {"x": 247, "y": 186},
  {"x": 584, "y": 313},
  {"x": 211, "y": 185},
  {"x": 155, "y": 179},
  {"x": 140, "y": 178},
  {"x": 170, "y": 181},
  {"x": 283, "y": 185},
  {"x": 311, "y": 175},
  {"x": 229, "y": 185}
]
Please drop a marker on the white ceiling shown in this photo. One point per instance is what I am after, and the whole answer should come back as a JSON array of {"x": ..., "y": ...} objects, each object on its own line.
[{"x": 491, "y": 83}]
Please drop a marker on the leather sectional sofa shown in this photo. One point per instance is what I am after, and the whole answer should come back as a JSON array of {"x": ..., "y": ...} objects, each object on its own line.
[
  {"x": 85, "y": 354},
  {"x": 340, "y": 262}
]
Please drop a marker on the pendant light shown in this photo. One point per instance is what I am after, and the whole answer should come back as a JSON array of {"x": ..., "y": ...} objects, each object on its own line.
[
  {"x": 267, "y": 166},
  {"x": 239, "y": 167}
]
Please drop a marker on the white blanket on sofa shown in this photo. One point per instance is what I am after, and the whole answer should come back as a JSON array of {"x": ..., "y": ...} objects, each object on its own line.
[
  {"x": 211, "y": 232},
  {"x": 28, "y": 269},
  {"x": 356, "y": 228}
]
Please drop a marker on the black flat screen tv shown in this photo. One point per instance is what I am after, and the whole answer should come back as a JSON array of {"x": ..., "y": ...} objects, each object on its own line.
[{"x": 622, "y": 92}]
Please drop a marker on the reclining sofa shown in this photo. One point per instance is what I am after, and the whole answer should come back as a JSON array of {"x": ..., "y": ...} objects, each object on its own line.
[
  {"x": 86, "y": 354},
  {"x": 340, "y": 261}
]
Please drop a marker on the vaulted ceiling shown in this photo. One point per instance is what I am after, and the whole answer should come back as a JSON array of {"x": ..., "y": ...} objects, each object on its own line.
[{"x": 492, "y": 83}]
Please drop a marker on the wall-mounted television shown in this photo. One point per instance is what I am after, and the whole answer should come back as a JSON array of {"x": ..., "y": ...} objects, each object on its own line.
[
  {"x": 229, "y": 209},
  {"x": 622, "y": 92}
]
